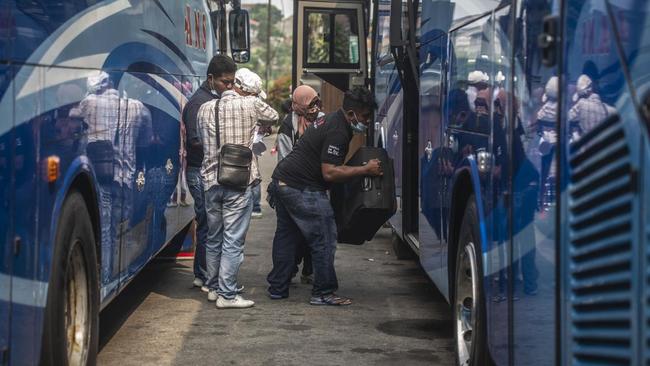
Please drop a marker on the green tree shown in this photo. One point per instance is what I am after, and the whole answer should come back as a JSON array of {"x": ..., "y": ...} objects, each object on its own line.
[
  {"x": 280, "y": 56},
  {"x": 258, "y": 12}
]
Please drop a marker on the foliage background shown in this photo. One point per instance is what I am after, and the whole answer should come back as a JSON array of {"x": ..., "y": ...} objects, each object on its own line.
[{"x": 279, "y": 83}]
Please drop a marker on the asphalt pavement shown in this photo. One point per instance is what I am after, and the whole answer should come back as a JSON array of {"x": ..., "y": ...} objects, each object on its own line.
[{"x": 397, "y": 316}]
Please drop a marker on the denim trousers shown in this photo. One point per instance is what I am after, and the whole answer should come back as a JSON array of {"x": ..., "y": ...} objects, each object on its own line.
[
  {"x": 195, "y": 185},
  {"x": 229, "y": 215},
  {"x": 303, "y": 215},
  {"x": 257, "y": 196}
]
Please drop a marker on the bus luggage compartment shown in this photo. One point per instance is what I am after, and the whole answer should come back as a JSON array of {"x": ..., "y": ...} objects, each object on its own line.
[{"x": 364, "y": 204}]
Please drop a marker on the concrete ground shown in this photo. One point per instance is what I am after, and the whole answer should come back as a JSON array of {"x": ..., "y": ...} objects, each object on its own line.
[{"x": 397, "y": 318}]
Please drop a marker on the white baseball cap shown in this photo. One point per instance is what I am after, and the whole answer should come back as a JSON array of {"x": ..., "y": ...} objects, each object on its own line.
[
  {"x": 477, "y": 76},
  {"x": 249, "y": 82},
  {"x": 95, "y": 83}
]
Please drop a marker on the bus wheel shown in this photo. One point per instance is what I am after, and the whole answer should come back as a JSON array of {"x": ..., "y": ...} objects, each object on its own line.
[
  {"x": 468, "y": 308},
  {"x": 401, "y": 249},
  {"x": 71, "y": 326}
]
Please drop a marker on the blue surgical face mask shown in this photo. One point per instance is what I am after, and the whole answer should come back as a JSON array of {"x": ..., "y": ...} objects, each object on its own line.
[{"x": 357, "y": 126}]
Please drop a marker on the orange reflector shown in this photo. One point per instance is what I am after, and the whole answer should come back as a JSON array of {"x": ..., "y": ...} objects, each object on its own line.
[{"x": 53, "y": 163}]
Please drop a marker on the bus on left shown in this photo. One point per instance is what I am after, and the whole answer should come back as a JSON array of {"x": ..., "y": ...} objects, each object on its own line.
[{"x": 91, "y": 94}]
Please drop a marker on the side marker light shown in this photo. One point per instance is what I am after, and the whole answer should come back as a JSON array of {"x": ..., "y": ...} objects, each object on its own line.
[{"x": 53, "y": 168}]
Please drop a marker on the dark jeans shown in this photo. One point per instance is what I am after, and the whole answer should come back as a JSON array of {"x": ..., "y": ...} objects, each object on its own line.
[
  {"x": 257, "y": 196},
  {"x": 195, "y": 184},
  {"x": 303, "y": 256},
  {"x": 303, "y": 215}
]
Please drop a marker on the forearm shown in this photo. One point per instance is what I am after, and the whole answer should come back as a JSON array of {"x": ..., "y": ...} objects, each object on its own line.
[{"x": 342, "y": 173}]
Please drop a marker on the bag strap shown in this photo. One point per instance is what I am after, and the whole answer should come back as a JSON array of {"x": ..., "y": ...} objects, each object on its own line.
[{"x": 216, "y": 121}]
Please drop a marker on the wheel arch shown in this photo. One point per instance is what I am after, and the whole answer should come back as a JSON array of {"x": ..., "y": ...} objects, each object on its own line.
[
  {"x": 466, "y": 182},
  {"x": 81, "y": 178}
]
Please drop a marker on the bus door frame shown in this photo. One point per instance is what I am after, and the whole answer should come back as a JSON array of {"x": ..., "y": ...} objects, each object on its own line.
[
  {"x": 404, "y": 51},
  {"x": 353, "y": 76}
]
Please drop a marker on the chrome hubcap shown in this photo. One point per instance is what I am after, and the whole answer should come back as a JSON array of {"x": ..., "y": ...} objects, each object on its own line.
[
  {"x": 465, "y": 303},
  {"x": 77, "y": 307}
]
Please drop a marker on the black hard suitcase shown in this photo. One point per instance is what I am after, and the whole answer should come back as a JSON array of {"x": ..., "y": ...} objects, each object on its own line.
[{"x": 364, "y": 204}]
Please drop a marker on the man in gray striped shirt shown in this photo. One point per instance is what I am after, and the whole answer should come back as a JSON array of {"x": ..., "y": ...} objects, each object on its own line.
[{"x": 229, "y": 210}]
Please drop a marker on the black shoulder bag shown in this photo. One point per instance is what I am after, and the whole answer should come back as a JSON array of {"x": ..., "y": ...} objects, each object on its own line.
[{"x": 234, "y": 161}]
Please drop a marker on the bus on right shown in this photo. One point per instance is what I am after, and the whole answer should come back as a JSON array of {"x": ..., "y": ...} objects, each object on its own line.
[{"x": 520, "y": 136}]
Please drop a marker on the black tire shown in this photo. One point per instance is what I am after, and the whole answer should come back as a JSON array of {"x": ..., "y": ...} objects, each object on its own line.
[
  {"x": 469, "y": 244},
  {"x": 401, "y": 249},
  {"x": 74, "y": 263}
]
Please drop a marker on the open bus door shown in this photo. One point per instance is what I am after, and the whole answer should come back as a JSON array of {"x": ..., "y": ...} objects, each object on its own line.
[{"x": 329, "y": 51}]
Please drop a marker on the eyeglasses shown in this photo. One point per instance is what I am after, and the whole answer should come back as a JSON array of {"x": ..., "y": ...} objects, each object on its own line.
[{"x": 315, "y": 103}]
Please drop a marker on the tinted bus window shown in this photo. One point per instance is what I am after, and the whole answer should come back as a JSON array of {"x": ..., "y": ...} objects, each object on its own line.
[
  {"x": 469, "y": 98},
  {"x": 332, "y": 38}
]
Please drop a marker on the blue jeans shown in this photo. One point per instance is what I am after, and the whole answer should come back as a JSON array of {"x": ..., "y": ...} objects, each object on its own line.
[
  {"x": 195, "y": 184},
  {"x": 257, "y": 196},
  {"x": 303, "y": 215},
  {"x": 229, "y": 215}
]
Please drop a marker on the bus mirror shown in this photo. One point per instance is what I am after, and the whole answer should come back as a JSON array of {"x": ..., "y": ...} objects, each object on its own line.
[
  {"x": 239, "y": 29},
  {"x": 395, "y": 36}
]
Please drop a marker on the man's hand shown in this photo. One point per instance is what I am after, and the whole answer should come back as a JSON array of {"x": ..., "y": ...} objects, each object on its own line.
[{"x": 373, "y": 168}]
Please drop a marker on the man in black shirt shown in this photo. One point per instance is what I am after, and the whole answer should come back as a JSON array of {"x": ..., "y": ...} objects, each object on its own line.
[
  {"x": 303, "y": 210},
  {"x": 220, "y": 77}
]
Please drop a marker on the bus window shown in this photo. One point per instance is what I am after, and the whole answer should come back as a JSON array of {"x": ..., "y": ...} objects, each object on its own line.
[
  {"x": 468, "y": 102},
  {"x": 332, "y": 38},
  {"x": 319, "y": 38},
  {"x": 346, "y": 45}
]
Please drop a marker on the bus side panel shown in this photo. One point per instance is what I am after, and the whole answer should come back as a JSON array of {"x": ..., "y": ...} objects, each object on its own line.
[
  {"x": 435, "y": 170},
  {"x": 604, "y": 129},
  {"x": 153, "y": 216},
  {"x": 6, "y": 218},
  {"x": 29, "y": 290},
  {"x": 533, "y": 137},
  {"x": 631, "y": 20},
  {"x": 470, "y": 126}
]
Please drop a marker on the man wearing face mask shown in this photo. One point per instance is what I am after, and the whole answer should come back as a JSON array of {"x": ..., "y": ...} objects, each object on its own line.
[
  {"x": 299, "y": 192},
  {"x": 220, "y": 77},
  {"x": 304, "y": 109}
]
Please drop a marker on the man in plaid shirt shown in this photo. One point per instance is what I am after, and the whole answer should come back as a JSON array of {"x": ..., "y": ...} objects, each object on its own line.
[{"x": 229, "y": 210}]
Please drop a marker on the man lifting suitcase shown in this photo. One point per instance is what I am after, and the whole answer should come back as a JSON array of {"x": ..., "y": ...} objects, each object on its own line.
[{"x": 299, "y": 193}]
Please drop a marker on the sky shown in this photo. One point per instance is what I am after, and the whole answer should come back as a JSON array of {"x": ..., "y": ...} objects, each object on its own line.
[{"x": 285, "y": 5}]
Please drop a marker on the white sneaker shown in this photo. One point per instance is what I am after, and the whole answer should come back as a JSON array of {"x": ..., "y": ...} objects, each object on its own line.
[
  {"x": 197, "y": 282},
  {"x": 239, "y": 290},
  {"x": 212, "y": 295},
  {"x": 257, "y": 215},
  {"x": 237, "y": 303}
]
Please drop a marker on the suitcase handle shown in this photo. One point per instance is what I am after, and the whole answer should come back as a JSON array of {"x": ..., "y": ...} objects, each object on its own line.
[{"x": 366, "y": 184}]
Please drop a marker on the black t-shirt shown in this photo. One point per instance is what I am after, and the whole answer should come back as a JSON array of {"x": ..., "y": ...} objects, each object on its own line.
[{"x": 325, "y": 141}]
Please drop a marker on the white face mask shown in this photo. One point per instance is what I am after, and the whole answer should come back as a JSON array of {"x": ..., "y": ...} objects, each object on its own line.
[{"x": 212, "y": 90}]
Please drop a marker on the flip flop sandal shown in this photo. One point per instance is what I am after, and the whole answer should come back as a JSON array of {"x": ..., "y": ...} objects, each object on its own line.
[{"x": 332, "y": 300}]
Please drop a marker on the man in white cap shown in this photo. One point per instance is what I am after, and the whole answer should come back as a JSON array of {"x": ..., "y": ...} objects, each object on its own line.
[
  {"x": 249, "y": 83},
  {"x": 589, "y": 110},
  {"x": 229, "y": 209}
]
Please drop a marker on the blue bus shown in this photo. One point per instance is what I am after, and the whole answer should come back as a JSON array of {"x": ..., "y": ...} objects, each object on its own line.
[
  {"x": 519, "y": 131},
  {"x": 91, "y": 94}
]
